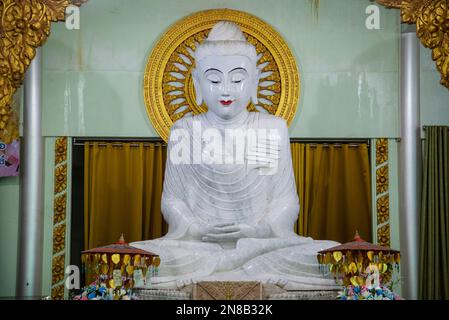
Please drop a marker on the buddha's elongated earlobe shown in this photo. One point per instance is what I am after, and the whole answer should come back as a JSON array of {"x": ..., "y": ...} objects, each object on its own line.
[
  {"x": 196, "y": 85},
  {"x": 255, "y": 88}
]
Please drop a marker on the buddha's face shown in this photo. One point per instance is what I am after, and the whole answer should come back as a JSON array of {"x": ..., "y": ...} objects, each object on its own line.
[{"x": 226, "y": 84}]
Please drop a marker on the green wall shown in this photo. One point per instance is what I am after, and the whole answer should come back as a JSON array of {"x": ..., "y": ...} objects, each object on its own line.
[
  {"x": 9, "y": 228},
  {"x": 93, "y": 77},
  {"x": 434, "y": 98}
]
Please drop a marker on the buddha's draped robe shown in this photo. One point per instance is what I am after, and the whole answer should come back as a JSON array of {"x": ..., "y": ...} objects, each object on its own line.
[{"x": 201, "y": 193}]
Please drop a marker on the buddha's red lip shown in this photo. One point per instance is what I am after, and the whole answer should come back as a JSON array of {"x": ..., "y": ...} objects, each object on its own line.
[{"x": 226, "y": 102}]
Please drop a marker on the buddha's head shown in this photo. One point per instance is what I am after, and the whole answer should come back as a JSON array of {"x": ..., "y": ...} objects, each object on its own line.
[{"x": 226, "y": 76}]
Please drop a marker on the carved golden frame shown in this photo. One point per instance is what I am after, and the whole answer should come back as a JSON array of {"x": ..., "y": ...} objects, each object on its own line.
[
  {"x": 432, "y": 28},
  {"x": 24, "y": 26},
  {"x": 382, "y": 193},
  {"x": 59, "y": 219}
]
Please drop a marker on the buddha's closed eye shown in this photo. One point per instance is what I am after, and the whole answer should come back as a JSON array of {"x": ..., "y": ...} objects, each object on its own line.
[
  {"x": 213, "y": 78},
  {"x": 238, "y": 75}
]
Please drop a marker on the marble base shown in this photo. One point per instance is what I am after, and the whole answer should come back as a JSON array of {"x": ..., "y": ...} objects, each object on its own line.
[
  {"x": 161, "y": 294},
  {"x": 269, "y": 292},
  {"x": 305, "y": 295}
]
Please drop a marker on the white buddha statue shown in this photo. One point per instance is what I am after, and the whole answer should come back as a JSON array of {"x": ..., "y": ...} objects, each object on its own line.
[{"x": 231, "y": 210}]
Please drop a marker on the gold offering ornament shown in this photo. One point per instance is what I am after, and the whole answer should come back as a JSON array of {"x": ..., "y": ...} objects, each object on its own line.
[
  {"x": 354, "y": 261},
  {"x": 115, "y": 264},
  {"x": 168, "y": 86}
]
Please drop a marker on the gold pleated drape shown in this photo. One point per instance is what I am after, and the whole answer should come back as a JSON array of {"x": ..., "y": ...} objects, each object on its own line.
[
  {"x": 122, "y": 191},
  {"x": 333, "y": 183}
]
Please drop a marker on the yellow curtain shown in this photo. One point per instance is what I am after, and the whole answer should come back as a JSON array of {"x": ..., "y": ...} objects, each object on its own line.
[
  {"x": 333, "y": 184},
  {"x": 122, "y": 192}
]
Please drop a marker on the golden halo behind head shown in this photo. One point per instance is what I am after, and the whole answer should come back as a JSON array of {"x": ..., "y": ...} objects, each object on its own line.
[{"x": 168, "y": 85}]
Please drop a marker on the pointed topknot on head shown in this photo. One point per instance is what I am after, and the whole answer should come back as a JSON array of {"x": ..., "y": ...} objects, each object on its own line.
[{"x": 226, "y": 39}]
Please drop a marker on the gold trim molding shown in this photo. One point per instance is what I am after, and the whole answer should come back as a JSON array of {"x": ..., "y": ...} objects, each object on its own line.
[
  {"x": 25, "y": 26},
  {"x": 59, "y": 219},
  {"x": 432, "y": 28},
  {"x": 382, "y": 193},
  {"x": 168, "y": 84}
]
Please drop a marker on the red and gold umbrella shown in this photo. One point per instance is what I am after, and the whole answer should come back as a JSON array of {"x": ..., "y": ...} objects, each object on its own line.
[
  {"x": 118, "y": 264},
  {"x": 354, "y": 260}
]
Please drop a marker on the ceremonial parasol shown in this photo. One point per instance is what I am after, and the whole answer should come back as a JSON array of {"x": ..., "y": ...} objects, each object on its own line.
[
  {"x": 120, "y": 265},
  {"x": 354, "y": 261}
]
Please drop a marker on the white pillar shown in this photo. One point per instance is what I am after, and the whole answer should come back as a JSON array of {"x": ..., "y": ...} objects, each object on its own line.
[
  {"x": 30, "y": 250},
  {"x": 410, "y": 164}
]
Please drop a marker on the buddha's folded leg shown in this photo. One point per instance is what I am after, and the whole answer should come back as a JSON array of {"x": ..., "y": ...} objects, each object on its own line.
[
  {"x": 181, "y": 258},
  {"x": 288, "y": 262},
  {"x": 294, "y": 268},
  {"x": 250, "y": 248}
]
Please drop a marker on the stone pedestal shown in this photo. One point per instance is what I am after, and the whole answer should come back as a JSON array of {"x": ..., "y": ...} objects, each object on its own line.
[
  {"x": 161, "y": 294},
  {"x": 233, "y": 290}
]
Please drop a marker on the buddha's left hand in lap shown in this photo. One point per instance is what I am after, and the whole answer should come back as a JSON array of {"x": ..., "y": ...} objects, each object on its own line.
[{"x": 226, "y": 232}]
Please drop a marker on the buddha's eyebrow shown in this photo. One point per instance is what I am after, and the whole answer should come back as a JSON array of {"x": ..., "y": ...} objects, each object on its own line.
[
  {"x": 212, "y": 69},
  {"x": 239, "y": 69}
]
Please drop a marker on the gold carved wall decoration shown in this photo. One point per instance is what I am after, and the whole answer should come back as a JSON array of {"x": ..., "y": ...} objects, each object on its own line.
[
  {"x": 432, "y": 28},
  {"x": 383, "y": 235},
  {"x": 382, "y": 192},
  {"x": 168, "y": 84},
  {"x": 57, "y": 292},
  {"x": 383, "y": 209},
  {"x": 25, "y": 26},
  {"x": 58, "y": 269},
  {"x": 59, "y": 208},
  {"x": 59, "y": 218},
  {"x": 382, "y": 179},
  {"x": 381, "y": 151},
  {"x": 59, "y": 238},
  {"x": 61, "y": 178},
  {"x": 61, "y": 150}
]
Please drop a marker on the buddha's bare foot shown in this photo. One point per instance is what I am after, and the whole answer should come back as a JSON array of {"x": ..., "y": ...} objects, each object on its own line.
[{"x": 184, "y": 283}]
